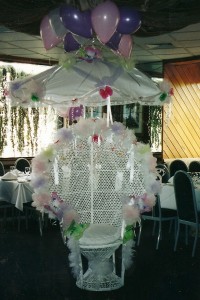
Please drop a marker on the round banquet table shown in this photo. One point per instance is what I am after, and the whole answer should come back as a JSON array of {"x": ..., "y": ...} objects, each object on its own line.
[{"x": 16, "y": 192}]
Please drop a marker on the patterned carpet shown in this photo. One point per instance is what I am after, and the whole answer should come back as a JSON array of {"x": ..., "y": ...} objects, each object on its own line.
[{"x": 36, "y": 268}]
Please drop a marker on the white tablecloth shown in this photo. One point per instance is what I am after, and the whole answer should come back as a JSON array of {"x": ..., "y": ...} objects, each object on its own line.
[
  {"x": 167, "y": 197},
  {"x": 16, "y": 192}
]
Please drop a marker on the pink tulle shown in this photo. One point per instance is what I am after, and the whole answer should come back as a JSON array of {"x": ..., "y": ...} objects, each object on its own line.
[
  {"x": 131, "y": 214},
  {"x": 69, "y": 216},
  {"x": 149, "y": 200},
  {"x": 41, "y": 199},
  {"x": 38, "y": 165}
]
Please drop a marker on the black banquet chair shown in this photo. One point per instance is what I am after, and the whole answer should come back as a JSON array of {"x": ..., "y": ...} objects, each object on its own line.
[
  {"x": 163, "y": 171},
  {"x": 5, "y": 206},
  {"x": 158, "y": 215},
  {"x": 21, "y": 163},
  {"x": 177, "y": 165},
  {"x": 2, "y": 169},
  {"x": 194, "y": 166},
  {"x": 186, "y": 207}
]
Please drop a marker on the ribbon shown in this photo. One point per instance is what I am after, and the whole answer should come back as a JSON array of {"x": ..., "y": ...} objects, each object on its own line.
[
  {"x": 118, "y": 181},
  {"x": 130, "y": 163},
  {"x": 55, "y": 167}
]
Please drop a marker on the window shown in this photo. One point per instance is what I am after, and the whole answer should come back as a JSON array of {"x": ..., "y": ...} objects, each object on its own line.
[{"x": 23, "y": 131}]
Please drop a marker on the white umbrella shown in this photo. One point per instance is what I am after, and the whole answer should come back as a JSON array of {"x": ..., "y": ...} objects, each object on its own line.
[{"x": 59, "y": 86}]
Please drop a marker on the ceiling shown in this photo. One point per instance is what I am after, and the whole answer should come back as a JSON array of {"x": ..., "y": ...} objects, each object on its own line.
[{"x": 169, "y": 31}]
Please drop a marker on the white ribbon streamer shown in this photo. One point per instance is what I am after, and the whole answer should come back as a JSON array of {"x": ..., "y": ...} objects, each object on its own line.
[
  {"x": 109, "y": 112},
  {"x": 130, "y": 163},
  {"x": 118, "y": 181},
  {"x": 55, "y": 168}
]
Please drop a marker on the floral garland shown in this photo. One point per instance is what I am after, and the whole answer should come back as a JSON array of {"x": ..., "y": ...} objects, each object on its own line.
[{"x": 95, "y": 130}]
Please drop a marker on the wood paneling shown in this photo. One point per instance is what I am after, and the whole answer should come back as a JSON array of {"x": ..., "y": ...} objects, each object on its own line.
[{"x": 181, "y": 133}]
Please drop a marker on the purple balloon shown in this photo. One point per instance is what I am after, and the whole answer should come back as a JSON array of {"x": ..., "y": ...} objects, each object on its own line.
[
  {"x": 76, "y": 21},
  {"x": 70, "y": 44},
  {"x": 114, "y": 41},
  {"x": 129, "y": 21},
  {"x": 75, "y": 112}
]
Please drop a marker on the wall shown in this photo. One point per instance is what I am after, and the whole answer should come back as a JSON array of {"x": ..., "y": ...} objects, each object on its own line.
[{"x": 181, "y": 133}]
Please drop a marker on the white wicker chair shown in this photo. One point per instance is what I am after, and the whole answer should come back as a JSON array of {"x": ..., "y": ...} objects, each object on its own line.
[
  {"x": 95, "y": 170},
  {"x": 88, "y": 175}
]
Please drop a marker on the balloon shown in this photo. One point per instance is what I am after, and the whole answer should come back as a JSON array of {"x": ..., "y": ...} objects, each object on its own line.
[
  {"x": 48, "y": 35},
  {"x": 129, "y": 21},
  {"x": 70, "y": 44},
  {"x": 75, "y": 112},
  {"x": 76, "y": 21},
  {"x": 125, "y": 45},
  {"x": 105, "y": 18},
  {"x": 113, "y": 42},
  {"x": 56, "y": 24}
]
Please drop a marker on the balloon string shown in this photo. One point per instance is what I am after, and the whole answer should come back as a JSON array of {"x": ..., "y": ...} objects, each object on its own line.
[
  {"x": 91, "y": 112},
  {"x": 109, "y": 112},
  {"x": 84, "y": 112}
]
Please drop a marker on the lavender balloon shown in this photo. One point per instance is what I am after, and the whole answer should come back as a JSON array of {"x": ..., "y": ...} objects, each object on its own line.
[
  {"x": 105, "y": 18},
  {"x": 129, "y": 21}
]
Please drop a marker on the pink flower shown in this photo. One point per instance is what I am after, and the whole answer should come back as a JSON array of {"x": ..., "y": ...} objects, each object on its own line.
[{"x": 106, "y": 92}]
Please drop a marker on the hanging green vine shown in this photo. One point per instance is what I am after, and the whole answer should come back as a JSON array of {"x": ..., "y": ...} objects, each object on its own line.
[
  {"x": 29, "y": 137},
  {"x": 13, "y": 124},
  {"x": 19, "y": 127},
  {"x": 3, "y": 112},
  {"x": 155, "y": 125},
  {"x": 36, "y": 115}
]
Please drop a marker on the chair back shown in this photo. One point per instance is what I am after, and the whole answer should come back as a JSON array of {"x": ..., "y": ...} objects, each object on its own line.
[
  {"x": 21, "y": 163},
  {"x": 2, "y": 170},
  {"x": 177, "y": 165},
  {"x": 194, "y": 166},
  {"x": 185, "y": 197},
  {"x": 163, "y": 171}
]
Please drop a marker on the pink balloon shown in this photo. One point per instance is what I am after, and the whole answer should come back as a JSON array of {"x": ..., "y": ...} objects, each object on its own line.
[
  {"x": 48, "y": 35},
  {"x": 125, "y": 45},
  {"x": 105, "y": 18}
]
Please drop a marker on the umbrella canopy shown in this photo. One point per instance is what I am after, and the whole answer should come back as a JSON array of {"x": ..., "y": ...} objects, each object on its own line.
[{"x": 81, "y": 84}]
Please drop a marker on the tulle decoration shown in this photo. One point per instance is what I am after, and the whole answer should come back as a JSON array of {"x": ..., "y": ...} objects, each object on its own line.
[
  {"x": 26, "y": 91},
  {"x": 49, "y": 152},
  {"x": 96, "y": 131},
  {"x": 41, "y": 200},
  {"x": 149, "y": 201},
  {"x": 74, "y": 256},
  {"x": 167, "y": 91},
  {"x": 131, "y": 214},
  {"x": 128, "y": 253},
  {"x": 64, "y": 135},
  {"x": 39, "y": 182},
  {"x": 156, "y": 187},
  {"x": 69, "y": 216},
  {"x": 39, "y": 165}
]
